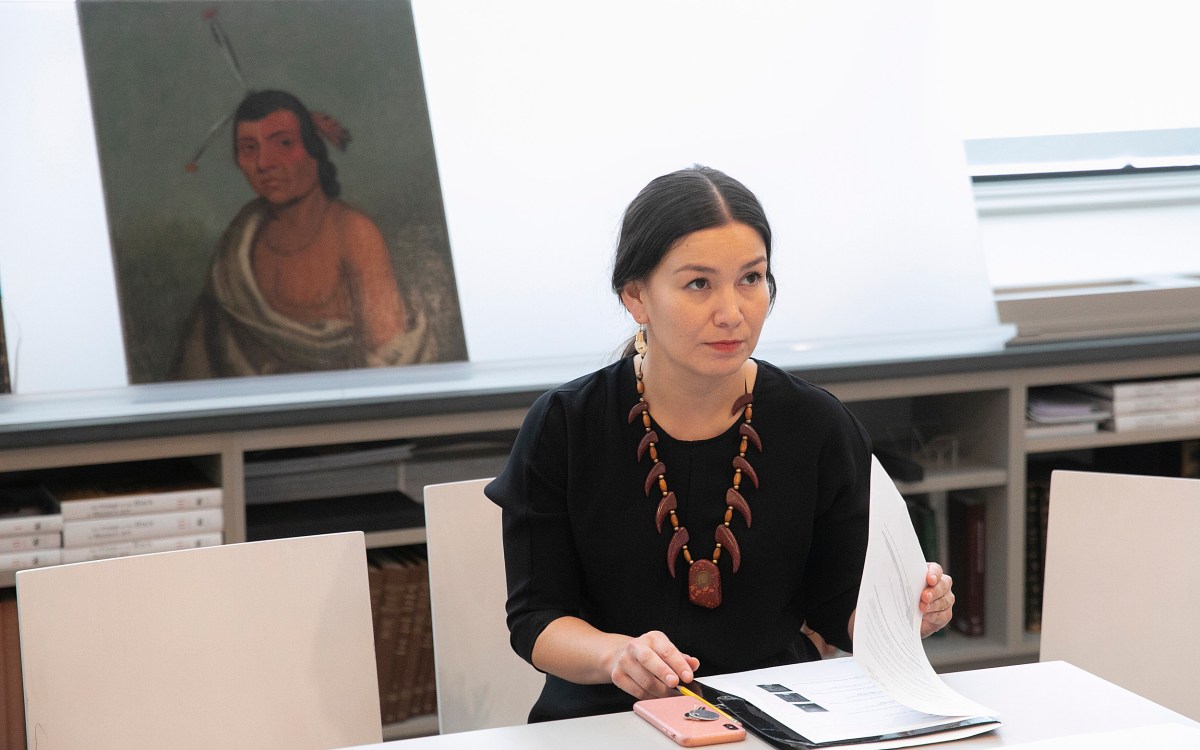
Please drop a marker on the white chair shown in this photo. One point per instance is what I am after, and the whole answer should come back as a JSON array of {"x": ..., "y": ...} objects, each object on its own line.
[
  {"x": 481, "y": 683},
  {"x": 1122, "y": 590},
  {"x": 260, "y": 645}
]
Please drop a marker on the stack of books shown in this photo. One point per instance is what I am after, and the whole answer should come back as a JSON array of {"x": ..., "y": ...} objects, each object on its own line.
[
  {"x": 30, "y": 528},
  {"x": 1148, "y": 404},
  {"x": 131, "y": 509},
  {"x": 399, "y": 583},
  {"x": 1061, "y": 411}
]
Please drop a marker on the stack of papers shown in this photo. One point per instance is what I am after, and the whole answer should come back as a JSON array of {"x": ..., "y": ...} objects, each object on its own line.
[{"x": 1058, "y": 411}]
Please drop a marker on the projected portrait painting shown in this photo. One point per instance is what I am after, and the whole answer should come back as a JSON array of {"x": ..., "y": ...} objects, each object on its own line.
[{"x": 271, "y": 187}]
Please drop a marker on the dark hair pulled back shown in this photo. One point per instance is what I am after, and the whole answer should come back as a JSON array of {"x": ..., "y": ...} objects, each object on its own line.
[
  {"x": 258, "y": 104},
  {"x": 673, "y": 206}
]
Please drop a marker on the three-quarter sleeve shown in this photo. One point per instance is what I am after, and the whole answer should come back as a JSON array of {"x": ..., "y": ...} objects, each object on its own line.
[
  {"x": 839, "y": 537},
  {"x": 541, "y": 561}
]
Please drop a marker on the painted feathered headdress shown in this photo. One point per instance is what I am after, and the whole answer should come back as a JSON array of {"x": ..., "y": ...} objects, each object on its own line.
[{"x": 327, "y": 126}]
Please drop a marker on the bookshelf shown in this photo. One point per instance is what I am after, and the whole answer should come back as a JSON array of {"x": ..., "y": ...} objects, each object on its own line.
[{"x": 978, "y": 400}]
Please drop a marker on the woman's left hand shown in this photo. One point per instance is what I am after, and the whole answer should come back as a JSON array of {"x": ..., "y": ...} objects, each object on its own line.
[{"x": 937, "y": 600}]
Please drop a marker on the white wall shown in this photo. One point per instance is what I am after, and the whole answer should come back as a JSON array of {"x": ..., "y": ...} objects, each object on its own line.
[{"x": 547, "y": 118}]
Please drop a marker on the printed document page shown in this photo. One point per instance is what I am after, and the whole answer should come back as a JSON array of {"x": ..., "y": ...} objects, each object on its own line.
[
  {"x": 887, "y": 626},
  {"x": 832, "y": 701}
]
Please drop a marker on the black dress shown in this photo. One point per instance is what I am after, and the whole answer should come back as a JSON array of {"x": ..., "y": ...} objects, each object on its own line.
[{"x": 580, "y": 536}]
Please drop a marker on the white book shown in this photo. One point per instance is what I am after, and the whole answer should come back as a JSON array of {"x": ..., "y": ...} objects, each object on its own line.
[
  {"x": 1151, "y": 404},
  {"x": 1120, "y": 391},
  {"x": 129, "y": 528},
  {"x": 141, "y": 503},
  {"x": 1151, "y": 421},
  {"x": 30, "y": 559},
  {"x": 139, "y": 547},
  {"x": 29, "y": 542}
]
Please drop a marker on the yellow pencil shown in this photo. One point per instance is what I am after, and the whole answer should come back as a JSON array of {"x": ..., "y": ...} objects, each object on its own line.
[{"x": 692, "y": 694}]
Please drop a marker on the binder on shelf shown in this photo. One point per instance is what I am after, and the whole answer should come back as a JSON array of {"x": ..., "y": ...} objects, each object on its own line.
[
  {"x": 925, "y": 523},
  {"x": 967, "y": 518}
]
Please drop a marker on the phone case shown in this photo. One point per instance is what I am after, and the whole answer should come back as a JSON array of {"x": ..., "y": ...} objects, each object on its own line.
[{"x": 669, "y": 716}]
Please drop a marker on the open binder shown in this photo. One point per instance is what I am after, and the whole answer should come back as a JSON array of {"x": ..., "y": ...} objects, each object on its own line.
[
  {"x": 903, "y": 733},
  {"x": 885, "y": 696}
]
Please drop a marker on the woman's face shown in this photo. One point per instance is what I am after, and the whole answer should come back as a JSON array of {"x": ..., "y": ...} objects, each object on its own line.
[
  {"x": 271, "y": 154},
  {"x": 705, "y": 303}
]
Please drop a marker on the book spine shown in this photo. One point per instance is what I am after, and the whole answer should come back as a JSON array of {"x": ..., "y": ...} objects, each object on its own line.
[
  {"x": 139, "y": 547},
  {"x": 968, "y": 561},
  {"x": 30, "y": 559},
  {"x": 395, "y": 696},
  {"x": 116, "y": 506},
  {"x": 14, "y": 695},
  {"x": 30, "y": 525},
  {"x": 129, "y": 528},
  {"x": 26, "y": 543},
  {"x": 1181, "y": 402},
  {"x": 389, "y": 619},
  {"x": 1036, "y": 496},
  {"x": 1160, "y": 420}
]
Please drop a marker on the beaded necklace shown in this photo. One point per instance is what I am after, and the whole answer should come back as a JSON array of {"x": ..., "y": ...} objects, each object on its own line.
[{"x": 704, "y": 577}]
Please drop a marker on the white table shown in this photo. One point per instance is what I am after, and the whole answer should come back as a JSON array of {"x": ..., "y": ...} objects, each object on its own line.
[{"x": 1035, "y": 701}]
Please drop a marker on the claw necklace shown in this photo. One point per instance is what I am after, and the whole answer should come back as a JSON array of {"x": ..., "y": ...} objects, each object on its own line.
[{"x": 704, "y": 577}]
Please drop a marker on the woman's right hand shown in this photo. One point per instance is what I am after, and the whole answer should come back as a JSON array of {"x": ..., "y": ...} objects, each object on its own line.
[{"x": 650, "y": 666}]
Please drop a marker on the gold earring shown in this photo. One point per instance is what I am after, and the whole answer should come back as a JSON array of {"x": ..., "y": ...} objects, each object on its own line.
[{"x": 639, "y": 341}]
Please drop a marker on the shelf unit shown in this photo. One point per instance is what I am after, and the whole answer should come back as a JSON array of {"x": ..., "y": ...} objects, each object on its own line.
[{"x": 979, "y": 398}]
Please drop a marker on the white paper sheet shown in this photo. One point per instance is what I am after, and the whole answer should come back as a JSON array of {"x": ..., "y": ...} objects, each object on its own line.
[
  {"x": 831, "y": 701},
  {"x": 887, "y": 627}
]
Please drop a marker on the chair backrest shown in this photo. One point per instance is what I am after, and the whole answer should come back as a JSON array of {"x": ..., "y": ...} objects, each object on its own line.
[
  {"x": 1122, "y": 588},
  {"x": 256, "y": 645},
  {"x": 481, "y": 682}
]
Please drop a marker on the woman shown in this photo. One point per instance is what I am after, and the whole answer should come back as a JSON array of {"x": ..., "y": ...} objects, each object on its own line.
[
  {"x": 301, "y": 280},
  {"x": 625, "y": 578}
]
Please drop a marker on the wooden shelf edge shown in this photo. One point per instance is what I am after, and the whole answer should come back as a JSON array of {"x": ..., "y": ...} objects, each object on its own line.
[{"x": 416, "y": 726}]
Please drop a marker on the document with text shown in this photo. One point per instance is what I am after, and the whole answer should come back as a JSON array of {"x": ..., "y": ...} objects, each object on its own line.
[{"x": 886, "y": 695}]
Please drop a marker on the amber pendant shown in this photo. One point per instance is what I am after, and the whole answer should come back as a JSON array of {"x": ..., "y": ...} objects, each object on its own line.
[{"x": 704, "y": 584}]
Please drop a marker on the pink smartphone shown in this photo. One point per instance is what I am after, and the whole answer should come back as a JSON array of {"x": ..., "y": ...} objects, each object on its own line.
[{"x": 688, "y": 721}]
